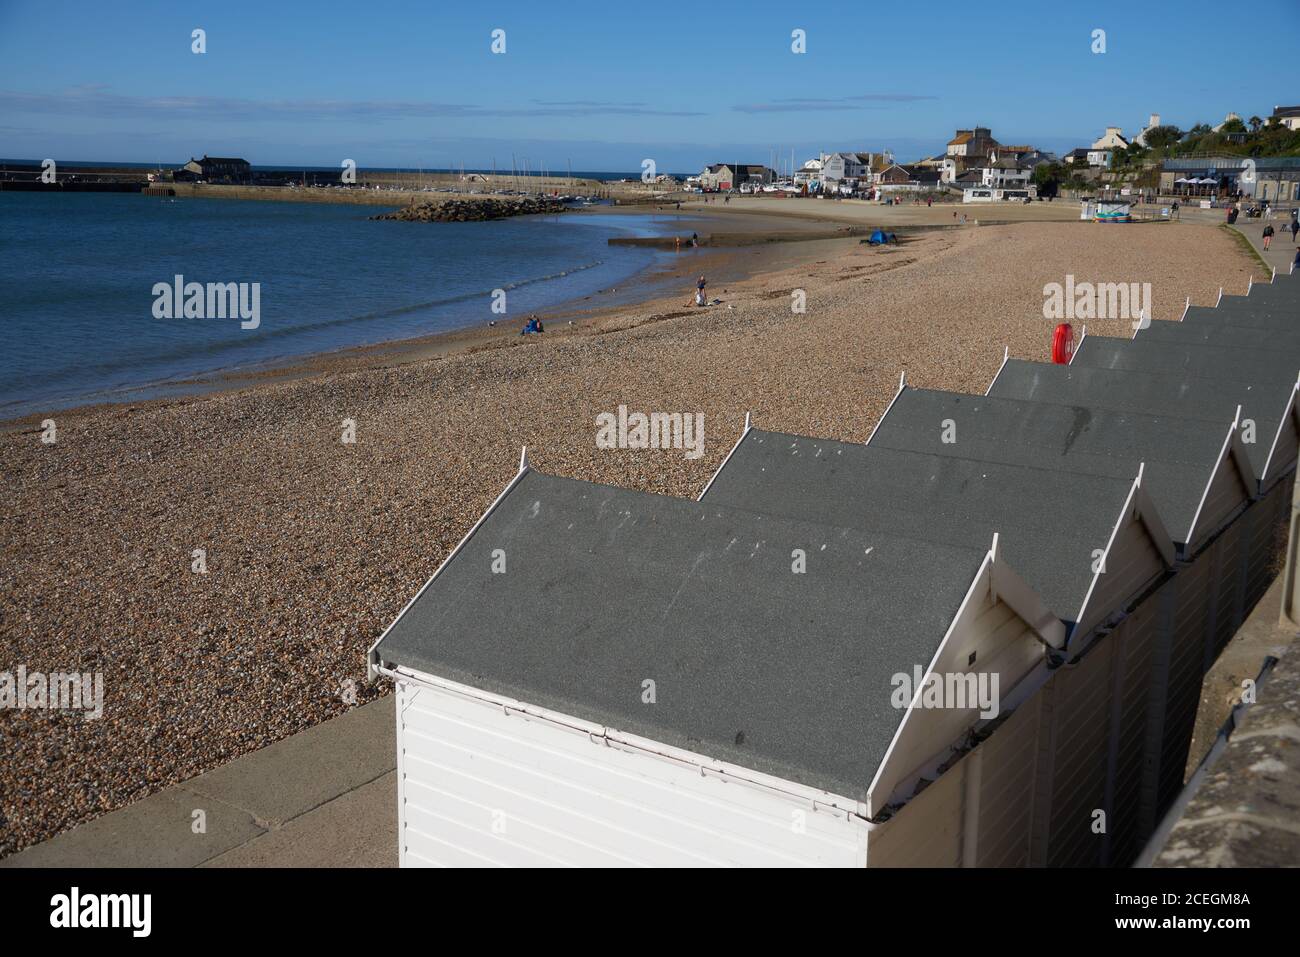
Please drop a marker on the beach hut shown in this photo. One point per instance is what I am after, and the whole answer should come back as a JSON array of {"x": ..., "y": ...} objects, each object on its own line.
[
  {"x": 596, "y": 676},
  {"x": 1199, "y": 477},
  {"x": 1260, "y": 316},
  {"x": 1281, "y": 338},
  {"x": 1230, "y": 580},
  {"x": 1057, "y": 744},
  {"x": 1267, "y": 410},
  {"x": 1274, "y": 441},
  {"x": 1112, "y": 525},
  {"x": 1150, "y": 665}
]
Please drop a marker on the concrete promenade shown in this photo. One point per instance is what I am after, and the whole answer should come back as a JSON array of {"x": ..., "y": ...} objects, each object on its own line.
[{"x": 326, "y": 797}]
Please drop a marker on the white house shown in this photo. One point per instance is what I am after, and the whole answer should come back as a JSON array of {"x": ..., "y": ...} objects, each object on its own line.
[
  {"x": 1288, "y": 116},
  {"x": 1099, "y": 157},
  {"x": 810, "y": 174},
  {"x": 836, "y": 167},
  {"x": 1004, "y": 173},
  {"x": 1112, "y": 139}
]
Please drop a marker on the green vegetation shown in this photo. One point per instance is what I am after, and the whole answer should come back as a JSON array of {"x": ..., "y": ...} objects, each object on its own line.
[
  {"x": 1252, "y": 138},
  {"x": 1051, "y": 178}
]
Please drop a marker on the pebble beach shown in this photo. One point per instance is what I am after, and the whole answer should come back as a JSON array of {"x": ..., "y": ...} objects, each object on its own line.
[{"x": 313, "y": 545}]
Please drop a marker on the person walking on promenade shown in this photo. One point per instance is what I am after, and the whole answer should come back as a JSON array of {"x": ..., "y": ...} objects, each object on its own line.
[
  {"x": 1295, "y": 228},
  {"x": 1268, "y": 236}
]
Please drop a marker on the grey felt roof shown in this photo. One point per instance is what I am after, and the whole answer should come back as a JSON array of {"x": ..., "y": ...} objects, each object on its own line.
[
  {"x": 1188, "y": 396},
  {"x": 1212, "y": 361},
  {"x": 1225, "y": 334},
  {"x": 1049, "y": 522},
  {"x": 1253, "y": 315},
  {"x": 1180, "y": 455},
  {"x": 1263, "y": 293},
  {"x": 787, "y": 674}
]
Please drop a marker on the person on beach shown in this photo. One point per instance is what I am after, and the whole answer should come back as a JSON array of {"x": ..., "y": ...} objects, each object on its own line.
[
  {"x": 1268, "y": 237},
  {"x": 699, "y": 292}
]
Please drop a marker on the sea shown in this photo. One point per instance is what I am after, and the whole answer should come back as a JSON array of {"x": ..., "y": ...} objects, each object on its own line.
[{"x": 78, "y": 271}]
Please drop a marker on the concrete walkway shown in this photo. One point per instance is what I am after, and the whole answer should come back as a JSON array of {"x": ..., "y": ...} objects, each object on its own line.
[
  {"x": 1279, "y": 255},
  {"x": 326, "y": 797}
]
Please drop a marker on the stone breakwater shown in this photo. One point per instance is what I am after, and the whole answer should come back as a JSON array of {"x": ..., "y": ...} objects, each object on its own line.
[{"x": 472, "y": 210}]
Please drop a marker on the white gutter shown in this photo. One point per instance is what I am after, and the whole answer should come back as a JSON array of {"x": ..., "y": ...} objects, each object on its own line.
[
  {"x": 902, "y": 384},
  {"x": 1223, "y": 453},
  {"x": 1006, "y": 354},
  {"x": 1290, "y": 411},
  {"x": 743, "y": 432},
  {"x": 1105, "y": 555},
  {"x": 612, "y": 737}
]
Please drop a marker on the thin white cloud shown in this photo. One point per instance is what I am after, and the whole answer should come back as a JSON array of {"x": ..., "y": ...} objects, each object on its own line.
[{"x": 803, "y": 104}]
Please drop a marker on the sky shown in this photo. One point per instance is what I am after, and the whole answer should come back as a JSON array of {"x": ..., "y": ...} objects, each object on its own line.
[{"x": 605, "y": 86}]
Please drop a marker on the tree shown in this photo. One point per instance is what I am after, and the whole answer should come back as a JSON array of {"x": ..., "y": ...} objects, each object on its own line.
[
  {"x": 1162, "y": 137},
  {"x": 1047, "y": 177},
  {"x": 1232, "y": 126},
  {"x": 1255, "y": 124}
]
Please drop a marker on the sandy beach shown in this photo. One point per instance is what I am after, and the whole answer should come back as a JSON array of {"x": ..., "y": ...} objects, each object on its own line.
[{"x": 313, "y": 545}]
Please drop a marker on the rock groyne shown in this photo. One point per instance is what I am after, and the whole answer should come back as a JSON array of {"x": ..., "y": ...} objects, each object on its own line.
[{"x": 473, "y": 210}]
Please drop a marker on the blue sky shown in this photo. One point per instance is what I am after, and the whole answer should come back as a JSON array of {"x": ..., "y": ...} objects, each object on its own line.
[{"x": 606, "y": 85}]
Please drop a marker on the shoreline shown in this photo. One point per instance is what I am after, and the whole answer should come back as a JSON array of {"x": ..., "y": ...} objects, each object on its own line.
[{"x": 735, "y": 258}]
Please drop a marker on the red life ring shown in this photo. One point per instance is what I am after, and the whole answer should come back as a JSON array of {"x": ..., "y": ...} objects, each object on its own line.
[{"x": 1063, "y": 344}]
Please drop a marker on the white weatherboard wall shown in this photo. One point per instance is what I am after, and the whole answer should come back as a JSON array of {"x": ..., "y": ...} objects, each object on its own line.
[{"x": 480, "y": 784}]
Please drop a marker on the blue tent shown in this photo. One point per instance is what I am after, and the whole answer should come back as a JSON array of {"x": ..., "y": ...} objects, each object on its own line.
[{"x": 880, "y": 238}]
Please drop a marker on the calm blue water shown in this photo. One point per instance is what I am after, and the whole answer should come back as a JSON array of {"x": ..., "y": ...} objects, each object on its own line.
[{"x": 77, "y": 273}]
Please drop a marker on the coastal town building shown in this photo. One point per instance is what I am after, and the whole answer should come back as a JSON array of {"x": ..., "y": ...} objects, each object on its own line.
[
  {"x": 898, "y": 178},
  {"x": 837, "y": 167},
  {"x": 1112, "y": 139},
  {"x": 1098, "y": 157},
  {"x": 974, "y": 142},
  {"x": 809, "y": 175},
  {"x": 726, "y": 176},
  {"x": 216, "y": 169},
  {"x": 1288, "y": 116},
  {"x": 1271, "y": 179},
  {"x": 1004, "y": 172}
]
